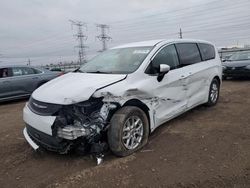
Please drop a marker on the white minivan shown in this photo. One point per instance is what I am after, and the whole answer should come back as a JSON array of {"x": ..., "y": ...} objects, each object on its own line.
[{"x": 122, "y": 95}]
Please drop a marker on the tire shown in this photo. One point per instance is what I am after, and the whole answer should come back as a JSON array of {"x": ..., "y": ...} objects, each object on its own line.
[
  {"x": 214, "y": 92},
  {"x": 122, "y": 129}
]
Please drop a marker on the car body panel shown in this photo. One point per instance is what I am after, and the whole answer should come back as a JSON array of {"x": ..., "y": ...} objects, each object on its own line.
[
  {"x": 41, "y": 123},
  {"x": 74, "y": 87}
]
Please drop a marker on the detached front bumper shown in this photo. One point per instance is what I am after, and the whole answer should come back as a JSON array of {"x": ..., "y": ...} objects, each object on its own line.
[{"x": 29, "y": 140}]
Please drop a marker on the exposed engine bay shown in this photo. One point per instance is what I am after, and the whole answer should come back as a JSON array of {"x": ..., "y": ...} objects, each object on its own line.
[{"x": 82, "y": 127}]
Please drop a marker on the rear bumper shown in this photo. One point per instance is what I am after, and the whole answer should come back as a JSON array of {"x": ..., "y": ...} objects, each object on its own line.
[{"x": 29, "y": 140}]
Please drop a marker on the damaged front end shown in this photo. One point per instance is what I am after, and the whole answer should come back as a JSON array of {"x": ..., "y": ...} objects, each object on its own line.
[{"x": 81, "y": 127}]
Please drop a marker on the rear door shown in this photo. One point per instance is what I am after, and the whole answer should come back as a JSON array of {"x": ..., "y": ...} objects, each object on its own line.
[
  {"x": 24, "y": 80},
  {"x": 191, "y": 62}
]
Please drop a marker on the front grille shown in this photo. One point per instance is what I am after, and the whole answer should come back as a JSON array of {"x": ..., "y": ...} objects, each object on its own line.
[{"x": 42, "y": 108}]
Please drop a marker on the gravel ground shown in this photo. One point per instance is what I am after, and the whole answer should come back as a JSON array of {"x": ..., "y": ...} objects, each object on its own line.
[{"x": 205, "y": 147}]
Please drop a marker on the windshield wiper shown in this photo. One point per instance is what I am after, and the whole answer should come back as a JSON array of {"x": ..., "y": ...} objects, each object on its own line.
[{"x": 100, "y": 72}]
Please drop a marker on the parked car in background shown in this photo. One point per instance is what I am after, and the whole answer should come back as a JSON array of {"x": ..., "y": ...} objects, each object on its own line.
[
  {"x": 56, "y": 69},
  {"x": 20, "y": 81},
  {"x": 122, "y": 95},
  {"x": 237, "y": 65}
]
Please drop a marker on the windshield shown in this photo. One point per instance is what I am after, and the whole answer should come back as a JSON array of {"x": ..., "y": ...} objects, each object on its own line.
[
  {"x": 117, "y": 61},
  {"x": 240, "y": 56}
]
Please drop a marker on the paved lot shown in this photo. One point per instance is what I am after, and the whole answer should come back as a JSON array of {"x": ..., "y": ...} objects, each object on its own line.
[{"x": 206, "y": 147}]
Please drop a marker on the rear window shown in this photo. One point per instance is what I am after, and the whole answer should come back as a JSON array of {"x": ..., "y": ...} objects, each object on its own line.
[
  {"x": 207, "y": 51},
  {"x": 188, "y": 53}
]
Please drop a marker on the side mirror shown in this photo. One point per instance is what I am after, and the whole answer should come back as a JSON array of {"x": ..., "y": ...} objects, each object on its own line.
[{"x": 164, "y": 69}]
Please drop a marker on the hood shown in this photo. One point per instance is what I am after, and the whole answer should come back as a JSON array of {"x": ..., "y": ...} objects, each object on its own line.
[
  {"x": 236, "y": 63},
  {"x": 74, "y": 87}
]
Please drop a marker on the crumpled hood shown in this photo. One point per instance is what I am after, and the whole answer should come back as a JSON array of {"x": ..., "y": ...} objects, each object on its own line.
[{"x": 74, "y": 87}]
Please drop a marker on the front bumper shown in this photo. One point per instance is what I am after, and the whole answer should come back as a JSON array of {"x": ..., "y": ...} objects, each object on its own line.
[
  {"x": 41, "y": 123},
  {"x": 236, "y": 72},
  {"x": 47, "y": 142},
  {"x": 38, "y": 132},
  {"x": 29, "y": 140}
]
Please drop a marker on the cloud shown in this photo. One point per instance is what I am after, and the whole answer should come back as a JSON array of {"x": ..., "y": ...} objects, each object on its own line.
[{"x": 40, "y": 30}]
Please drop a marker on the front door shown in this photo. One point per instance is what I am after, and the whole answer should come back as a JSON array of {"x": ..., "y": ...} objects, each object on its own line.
[{"x": 170, "y": 92}]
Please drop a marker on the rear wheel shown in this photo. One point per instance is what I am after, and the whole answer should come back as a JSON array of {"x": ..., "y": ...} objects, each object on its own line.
[
  {"x": 214, "y": 92},
  {"x": 128, "y": 131}
]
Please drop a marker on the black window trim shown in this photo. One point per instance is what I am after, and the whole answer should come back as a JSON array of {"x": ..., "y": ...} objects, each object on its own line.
[
  {"x": 153, "y": 56},
  {"x": 196, "y": 43},
  {"x": 201, "y": 53}
]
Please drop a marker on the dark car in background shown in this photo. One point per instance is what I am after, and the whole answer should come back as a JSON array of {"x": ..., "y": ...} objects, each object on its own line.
[
  {"x": 237, "y": 65},
  {"x": 20, "y": 81}
]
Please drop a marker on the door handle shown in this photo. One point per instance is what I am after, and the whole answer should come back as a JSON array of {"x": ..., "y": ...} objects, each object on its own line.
[{"x": 34, "y": 78}]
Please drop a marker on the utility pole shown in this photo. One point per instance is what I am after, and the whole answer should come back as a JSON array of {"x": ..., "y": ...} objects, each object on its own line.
[
  {"x": 180, "y": 34},
  {"x": 29, "y": 62},
  {"x": 81, "y": 38},
  {"x": 1, "y": 56},
  {"x": 103, "y": 37}
]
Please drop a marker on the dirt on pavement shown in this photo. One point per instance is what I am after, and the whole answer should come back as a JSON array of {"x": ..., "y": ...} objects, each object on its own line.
[{"x": 205, "y": 147}]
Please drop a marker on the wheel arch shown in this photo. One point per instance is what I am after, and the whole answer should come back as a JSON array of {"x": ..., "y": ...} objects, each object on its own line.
[
  {"x": 218, "y": 79},
  {"x": 141, "y": 105}
]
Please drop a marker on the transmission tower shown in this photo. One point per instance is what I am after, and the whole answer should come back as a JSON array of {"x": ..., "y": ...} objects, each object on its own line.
[
  {"x": 103, "y": 37},
  {"x": 81, "y": 38}
]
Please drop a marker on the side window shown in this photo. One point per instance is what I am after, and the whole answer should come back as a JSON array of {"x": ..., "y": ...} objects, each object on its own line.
[
  {"x": 17, "y": 71},
  {"x": 166, "y": 55},
  {"x": 4, "y": 72},
  {"x": 36, "y": 71},
  {"x": 188, "y": 53},
  {"x": 27, "y": 71},
  {"x": 207, "y": 51}
]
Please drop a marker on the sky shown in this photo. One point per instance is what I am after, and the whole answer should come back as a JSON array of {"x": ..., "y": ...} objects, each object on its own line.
[{"x": 40, "y": 30}]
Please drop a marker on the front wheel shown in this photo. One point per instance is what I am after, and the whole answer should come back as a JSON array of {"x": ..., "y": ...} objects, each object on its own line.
[
  {"x": 128, "y": 131},
  {"x": 214, "y": 92}
]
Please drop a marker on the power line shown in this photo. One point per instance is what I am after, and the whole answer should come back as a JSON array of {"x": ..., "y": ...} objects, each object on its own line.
[
  {"x": 215, "y": 8},
  {"x": 103, "y": 37},
  {"x": 81, "y": 37}
]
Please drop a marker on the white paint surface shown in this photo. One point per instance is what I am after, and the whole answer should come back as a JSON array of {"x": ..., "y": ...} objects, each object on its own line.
[{"x": 41, "y": 123}]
